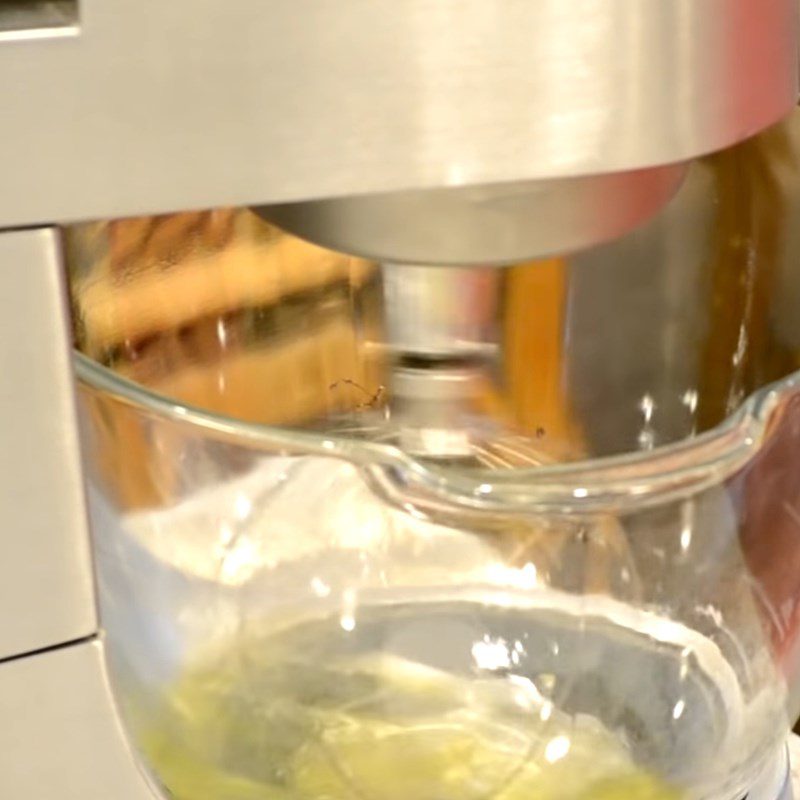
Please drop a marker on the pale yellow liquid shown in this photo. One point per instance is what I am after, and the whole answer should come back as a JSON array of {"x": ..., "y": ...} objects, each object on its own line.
[{"x": 398, "y": 702}]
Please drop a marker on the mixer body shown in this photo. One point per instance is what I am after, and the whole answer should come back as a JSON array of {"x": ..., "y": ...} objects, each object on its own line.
[{"x": 420, "y": 133}]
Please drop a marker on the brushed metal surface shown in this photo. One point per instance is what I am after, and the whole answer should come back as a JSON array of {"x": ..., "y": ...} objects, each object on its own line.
[
  {"x": 484, "y": 225},
  {"x": 154, "y": 106},
  {"x": 440, "y": 312},
  {"x": 61, "y": 737},
  {"x": 46, "y": 583}
]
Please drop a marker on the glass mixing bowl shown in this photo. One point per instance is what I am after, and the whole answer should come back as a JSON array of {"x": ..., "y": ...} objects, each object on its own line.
[{"x": 560, "y": 561}]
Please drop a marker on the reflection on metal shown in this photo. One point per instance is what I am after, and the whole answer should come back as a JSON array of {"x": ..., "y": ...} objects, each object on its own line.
[
  {"x": 222, "y": 311},
  {"x": 219, "y": 309},
  {"x": 332, "y": 99},
  {"x": 484, "y": 225}
]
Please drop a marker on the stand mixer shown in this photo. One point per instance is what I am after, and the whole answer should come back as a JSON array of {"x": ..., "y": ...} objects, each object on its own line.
[{"x": 445, "y": 141}]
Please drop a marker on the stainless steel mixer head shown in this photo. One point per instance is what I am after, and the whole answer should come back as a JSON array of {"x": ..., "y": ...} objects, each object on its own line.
[
  {"x": 599, "y": 106},
  {"x": 481, "y": 225},
  {"x": 380, "y": 99}
]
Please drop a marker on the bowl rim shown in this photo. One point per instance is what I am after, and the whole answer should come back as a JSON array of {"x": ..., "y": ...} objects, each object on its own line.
[{"x": 634, "y": 479}]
